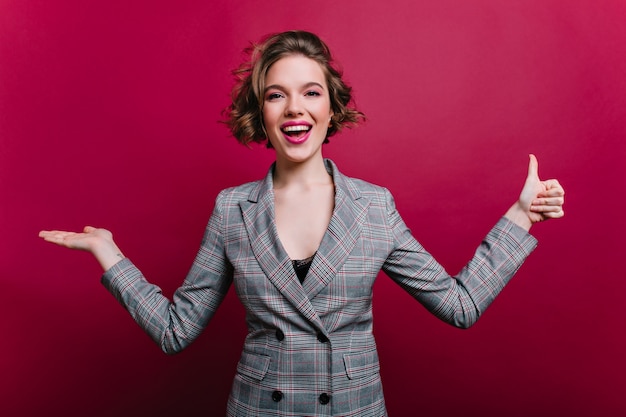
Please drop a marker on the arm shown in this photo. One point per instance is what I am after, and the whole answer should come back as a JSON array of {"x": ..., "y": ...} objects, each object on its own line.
[
  {"x": 173, "y": 325},
  {"x": 460, "y": 300}
]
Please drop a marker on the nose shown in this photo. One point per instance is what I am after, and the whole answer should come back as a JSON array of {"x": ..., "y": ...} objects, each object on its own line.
[{"x": 294, "y": 106}]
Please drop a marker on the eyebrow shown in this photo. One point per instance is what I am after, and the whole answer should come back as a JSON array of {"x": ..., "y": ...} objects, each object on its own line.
[{"x": 304, "y": 87}]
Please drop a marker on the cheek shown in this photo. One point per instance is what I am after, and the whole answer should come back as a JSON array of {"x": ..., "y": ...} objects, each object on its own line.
[
  {"x": 268, "y": 116},
  {"x": 329, "y": 109}
]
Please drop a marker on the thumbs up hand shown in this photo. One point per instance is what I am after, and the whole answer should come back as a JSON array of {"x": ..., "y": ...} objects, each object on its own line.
[{"x": 539, "y": 200}]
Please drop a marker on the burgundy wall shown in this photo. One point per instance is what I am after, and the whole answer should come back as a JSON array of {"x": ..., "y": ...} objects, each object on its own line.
[{"x": 108, "y": 117}]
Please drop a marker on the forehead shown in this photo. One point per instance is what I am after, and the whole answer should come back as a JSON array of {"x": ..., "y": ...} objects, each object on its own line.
[{"x": 294, "y": 70}]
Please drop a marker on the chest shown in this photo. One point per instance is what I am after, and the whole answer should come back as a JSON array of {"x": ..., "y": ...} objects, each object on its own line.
[{"x": 302, "y": 218}]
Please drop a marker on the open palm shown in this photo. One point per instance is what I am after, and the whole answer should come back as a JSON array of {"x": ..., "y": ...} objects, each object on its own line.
[{"x": 88, "y": 240}]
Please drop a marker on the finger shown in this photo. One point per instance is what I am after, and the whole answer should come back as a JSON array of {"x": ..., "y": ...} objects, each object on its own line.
[
  {"x": 551, "y": 201},
  {"x": 56, "y": 236},
  {"x": 88, "y": 229},
  {"x": 543, "y": 209},
  {"x": 533, "y": 166},
  {"x": 49, "y": 233},
  {"x": 553, "y": 193},
  {"x": 552, "y": 184},
  {"x": 551, "y": 188},
  {"x": 554, "y": 215}
]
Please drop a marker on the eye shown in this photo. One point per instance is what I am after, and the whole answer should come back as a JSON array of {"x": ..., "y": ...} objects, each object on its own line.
[
  {"x": 273, "y": 96},
  {"x": 312, "y": 93}
]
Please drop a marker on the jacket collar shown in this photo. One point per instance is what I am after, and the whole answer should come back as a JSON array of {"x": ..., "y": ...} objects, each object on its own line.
[
  {"x": 346, "y": 184},
  {"x": 338, "y": 241}
]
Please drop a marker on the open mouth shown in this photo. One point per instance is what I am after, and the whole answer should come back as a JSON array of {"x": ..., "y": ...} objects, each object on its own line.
[{"x": 296, "y": 131}]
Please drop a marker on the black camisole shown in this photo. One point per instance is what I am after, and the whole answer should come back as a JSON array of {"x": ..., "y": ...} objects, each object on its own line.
[{"x": 302, "y": 266}]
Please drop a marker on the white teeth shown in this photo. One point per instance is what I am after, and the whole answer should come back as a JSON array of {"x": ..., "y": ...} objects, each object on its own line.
[{"x": 296, "y": 128}]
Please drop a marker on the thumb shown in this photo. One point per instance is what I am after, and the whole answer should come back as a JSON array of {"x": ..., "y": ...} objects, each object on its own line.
[
  {"x": 88, "y": 229},
  {"x": 533, "y": 166}
]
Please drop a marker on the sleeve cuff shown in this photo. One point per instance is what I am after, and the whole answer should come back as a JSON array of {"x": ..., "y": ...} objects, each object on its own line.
[
  {"x": 113, "y": 276},
  {"x": 516, "y": 235}
]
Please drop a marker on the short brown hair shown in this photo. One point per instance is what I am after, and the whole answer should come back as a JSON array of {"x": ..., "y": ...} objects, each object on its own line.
[{"x": 244, "y": 115}]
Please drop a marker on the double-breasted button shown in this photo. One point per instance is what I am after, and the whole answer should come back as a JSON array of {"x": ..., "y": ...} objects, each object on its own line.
[
  {"x": 322, "y": 337},
  {"x": 324, "y": 399},
  {"x": 277, "y": 396},
  {"x": 280, "y": 335}
]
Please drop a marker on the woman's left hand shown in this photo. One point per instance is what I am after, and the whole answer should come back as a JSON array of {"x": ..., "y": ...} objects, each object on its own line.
[{"x": 539, "y": 200}]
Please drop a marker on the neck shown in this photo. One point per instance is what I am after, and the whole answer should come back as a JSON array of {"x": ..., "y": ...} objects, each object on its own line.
[{"x": 288, "y": 173}]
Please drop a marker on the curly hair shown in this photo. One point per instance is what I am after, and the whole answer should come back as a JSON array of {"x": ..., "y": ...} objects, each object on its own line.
[{"x": 244, "y": 115}]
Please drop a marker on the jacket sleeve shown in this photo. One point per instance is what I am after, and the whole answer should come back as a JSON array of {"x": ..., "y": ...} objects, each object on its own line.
[
  {"x": 458, "y": 300},
  {"x": 174, "y": 324}
]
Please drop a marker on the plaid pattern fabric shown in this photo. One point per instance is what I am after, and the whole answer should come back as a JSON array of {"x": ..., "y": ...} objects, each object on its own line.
[{"x": 310, "y": 348}]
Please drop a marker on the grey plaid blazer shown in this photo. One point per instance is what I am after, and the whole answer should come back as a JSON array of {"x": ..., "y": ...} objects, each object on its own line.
[{"x": 310, "y": 348}]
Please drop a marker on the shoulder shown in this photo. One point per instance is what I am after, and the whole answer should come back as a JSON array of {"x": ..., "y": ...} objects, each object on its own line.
[
  {"x": 234, "y": 195},
  {"x": 356, "y": 187},
  {"x": 366, "y": 187}
]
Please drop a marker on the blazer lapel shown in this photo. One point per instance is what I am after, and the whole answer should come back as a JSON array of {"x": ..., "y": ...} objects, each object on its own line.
[
  {"x": 341, "y": 236},
  {"x": 258, "y": 215}
]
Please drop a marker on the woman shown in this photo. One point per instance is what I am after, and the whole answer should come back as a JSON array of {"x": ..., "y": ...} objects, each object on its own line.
[{"x": 303, "y": 247}]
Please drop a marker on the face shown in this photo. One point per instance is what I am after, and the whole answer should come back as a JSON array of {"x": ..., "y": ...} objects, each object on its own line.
[{"x": 296, "y": 109}]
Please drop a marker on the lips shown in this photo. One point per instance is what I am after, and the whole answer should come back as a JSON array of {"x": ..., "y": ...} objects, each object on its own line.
[{"x": 296, "y": 132}]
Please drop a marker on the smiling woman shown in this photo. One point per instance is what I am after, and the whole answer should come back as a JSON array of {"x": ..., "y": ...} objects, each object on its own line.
[
  {"x": 296, "y": 109},
  {"x": 303, "y": 247},
  {"x": 244, "y": 114}
]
